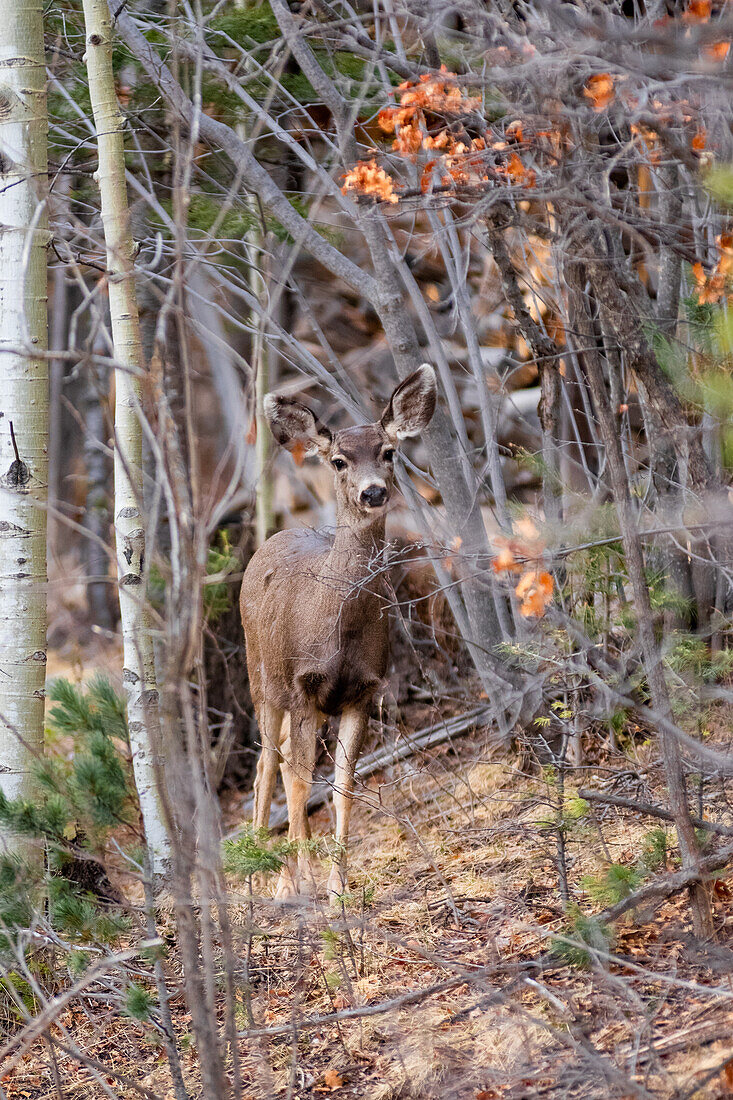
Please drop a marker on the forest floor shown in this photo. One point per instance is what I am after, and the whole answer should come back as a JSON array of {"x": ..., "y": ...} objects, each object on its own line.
[{"x": 440, "y": 977}]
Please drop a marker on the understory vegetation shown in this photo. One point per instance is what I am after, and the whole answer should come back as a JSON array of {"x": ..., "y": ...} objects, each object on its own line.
[{"x": 202, "y": 205}]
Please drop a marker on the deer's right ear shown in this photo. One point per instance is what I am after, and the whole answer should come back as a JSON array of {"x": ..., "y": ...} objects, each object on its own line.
[
  {"x": 296, "y": 427},
  {"x": 412, "y": 404}
]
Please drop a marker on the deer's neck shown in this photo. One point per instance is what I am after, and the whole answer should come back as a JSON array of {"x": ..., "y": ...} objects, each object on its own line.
[{"x": 355, "y": 550}]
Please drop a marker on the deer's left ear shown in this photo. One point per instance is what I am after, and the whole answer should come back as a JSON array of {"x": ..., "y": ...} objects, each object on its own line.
[
  {"x": 412, "y": 404},
  {"x": 296, "y": 427}
]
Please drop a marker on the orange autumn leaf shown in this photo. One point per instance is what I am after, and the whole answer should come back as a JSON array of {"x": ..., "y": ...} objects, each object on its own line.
[
  {"x": 404, "y": 116},
  {"x": 725, "y": 263},
  {"x": 712, "y": 288},
  {"x": 699, "y": 140},
  {"x": 535, "y": 592},
  {"x": 525, "y": 542},
  {"x": 457, "y": 172},
  {"x": 709, "y": 290},
  {"x": 435, "y": 94},
  {"x": 426, "y": 178},
  {"x": 717, "y": 51},
  {"x": 515, "y": 168},
  {"x": 332, "y": 1079},
  {"x": 367, "y": 178},
  {"x": 408, "y": 142},
  {"x": 504, "y": 560},
  {"x": 712, "y": 292},
  {"x": 386, "y": 120},
  {"x": 442, "y": 140},
  {"x": 439, "y": 94},
  {"x": 600, "y": 91},
  {"x": 517, "y": 172},
  {"x": 298, "y": 450},
  {"x": 698, "y": 11}
]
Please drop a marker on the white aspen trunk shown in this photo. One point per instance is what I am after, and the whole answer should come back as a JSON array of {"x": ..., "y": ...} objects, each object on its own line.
[
  {"x": 139, "y": 670},
  {"x": 260, "y": 363},
  {"x": 261, "y": 368},
  {"x": 23, "y": 394}
]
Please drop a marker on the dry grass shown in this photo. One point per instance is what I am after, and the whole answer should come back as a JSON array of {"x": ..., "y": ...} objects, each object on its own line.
[{"x": 453, "y": 872}]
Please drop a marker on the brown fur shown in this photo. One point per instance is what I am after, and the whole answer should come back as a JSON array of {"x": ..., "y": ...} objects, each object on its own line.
[{"x": 314, "y": 608}]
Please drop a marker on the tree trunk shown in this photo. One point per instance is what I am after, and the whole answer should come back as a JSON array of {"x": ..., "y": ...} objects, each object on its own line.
[
  {"x": 619, "y": 300},
  {"x": 97, "y": 510},
  {"x": 460, "y": 499},
  {"x": 582, "y": 325},
  {"x": 677, "y": 457},
  {"x": 23, "y": 392},
  {"x": 670, "y": 260},
  {"x": 58, "y": 340},
  {"x": 548, "y": 356},
  {"x": 261, "y": 360},
  {"x": 139, "y": 670}
]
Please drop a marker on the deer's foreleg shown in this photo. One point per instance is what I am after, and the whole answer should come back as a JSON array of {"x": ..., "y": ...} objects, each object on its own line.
[
  {"x": 270, "y": 721},
  {"x": 352, "y": 729},
  {"x": 298, "y": 763}
]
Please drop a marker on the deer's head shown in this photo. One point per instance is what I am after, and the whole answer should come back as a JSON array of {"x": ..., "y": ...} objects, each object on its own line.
[{"x": 362, "y": 458}]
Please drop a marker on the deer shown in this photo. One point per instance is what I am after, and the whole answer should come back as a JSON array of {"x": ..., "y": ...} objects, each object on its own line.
[{"x": 315, "y": 614}]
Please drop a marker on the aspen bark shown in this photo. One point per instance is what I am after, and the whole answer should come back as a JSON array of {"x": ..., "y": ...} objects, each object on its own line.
[
  {"x": 23, "y": 393},
  {"x": 139, "y": 670},
  {"x": 260, "y": 361},
  {"x": 261, "y": 355}
]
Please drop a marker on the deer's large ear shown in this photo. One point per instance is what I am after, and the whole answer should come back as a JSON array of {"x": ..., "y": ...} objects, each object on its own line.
[
  {"x": 296, "y": 427},
  {"x": 411, "y": 405}
]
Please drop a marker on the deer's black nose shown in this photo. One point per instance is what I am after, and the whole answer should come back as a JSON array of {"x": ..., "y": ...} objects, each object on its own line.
[{"x": 374, "y": 496}]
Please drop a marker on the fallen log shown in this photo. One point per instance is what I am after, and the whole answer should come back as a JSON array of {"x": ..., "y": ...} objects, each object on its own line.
[
  {"x": 648, "y": 810},
  {"x": 666, "y": 886}
]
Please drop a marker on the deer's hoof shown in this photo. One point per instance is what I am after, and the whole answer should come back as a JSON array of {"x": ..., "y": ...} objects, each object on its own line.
[
  {"x": 294, "y": 887},
  {"x": 285, "y": 892}
]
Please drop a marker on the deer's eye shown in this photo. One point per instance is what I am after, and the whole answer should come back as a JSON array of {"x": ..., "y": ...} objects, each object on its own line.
[
  {"x": 338, "y": 463},
  {"x": 388, "y": 455}
]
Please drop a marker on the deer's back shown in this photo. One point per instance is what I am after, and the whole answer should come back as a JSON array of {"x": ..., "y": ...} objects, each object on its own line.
[{"x": 313, "y": 637}]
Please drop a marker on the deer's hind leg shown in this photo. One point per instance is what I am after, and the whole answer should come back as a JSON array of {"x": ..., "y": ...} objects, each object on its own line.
[
  {"x": 270, "y": 720},
  {"x": 352, "y": 729},
  {"x": 298, "y": 764}
]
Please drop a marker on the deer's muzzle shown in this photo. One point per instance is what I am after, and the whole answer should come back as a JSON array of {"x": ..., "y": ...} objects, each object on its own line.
[{"x": 374, "y": 496}]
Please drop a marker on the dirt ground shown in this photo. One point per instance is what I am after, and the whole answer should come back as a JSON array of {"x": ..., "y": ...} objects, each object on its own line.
[{"x": 440, "y": 977}]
